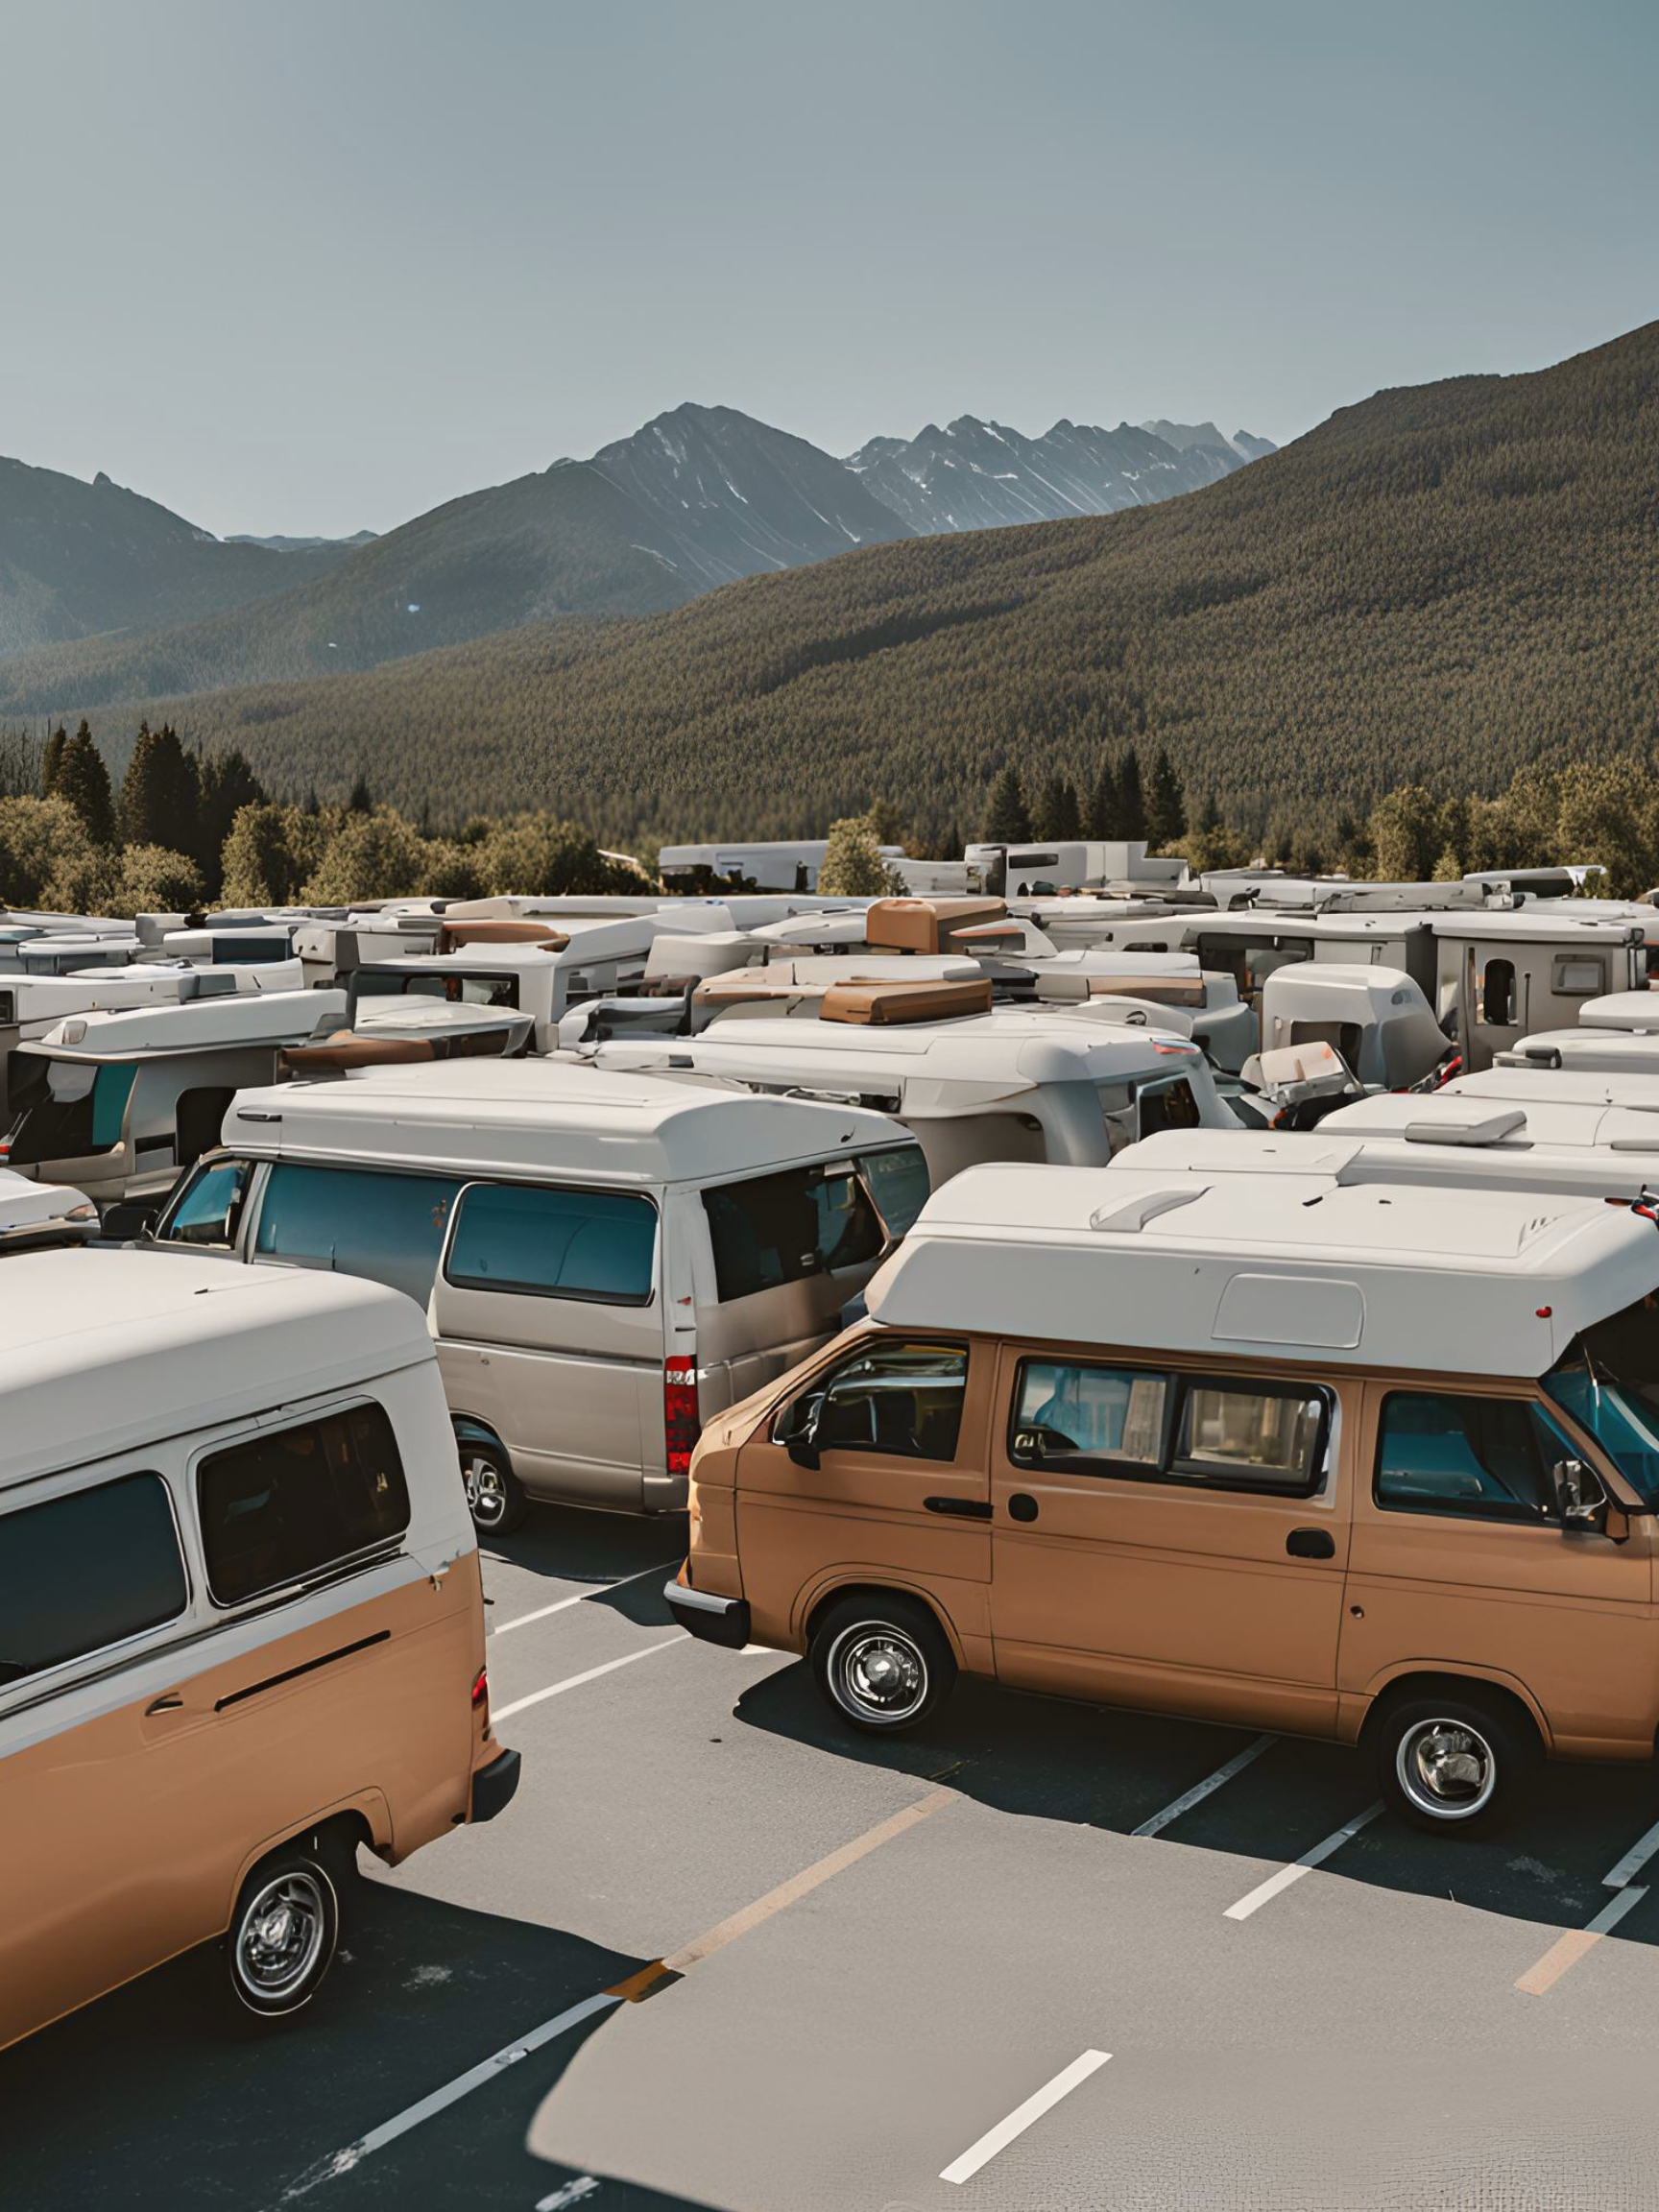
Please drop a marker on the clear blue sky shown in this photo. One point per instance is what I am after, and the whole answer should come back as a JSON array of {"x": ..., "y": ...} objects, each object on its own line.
[{"x": 315, "y": 265}]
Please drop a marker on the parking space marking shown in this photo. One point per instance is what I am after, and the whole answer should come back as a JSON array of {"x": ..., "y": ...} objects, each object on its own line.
[
  {"x": 582, "y": 1597},
  {"x": 1022, "y": 2116},
  {"x": 588, "y": 1674},
  {"x": 1275, "y": 1883},
  {"x": 1577, "y": 1943},
  {"x": 1205, "y": 1788},
  {"x": 1634, "y": 1860}
]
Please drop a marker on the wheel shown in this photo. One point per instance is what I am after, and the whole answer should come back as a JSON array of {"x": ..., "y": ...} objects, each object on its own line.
[
  {"x": 284, "y": 1933},
  {"x": 882, "y": 1662},
  {"x": 496, "y": 1497},
  {"x": 1455, "y": 1763}
]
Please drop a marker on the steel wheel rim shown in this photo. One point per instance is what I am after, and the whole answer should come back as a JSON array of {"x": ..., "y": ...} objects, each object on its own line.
[
  {"x": 486, "y": 1491},
  {"x": 880, "y": 1673},
  {"x": 282, "y": 1934},
  {"x": 1446, "y": 1768}
]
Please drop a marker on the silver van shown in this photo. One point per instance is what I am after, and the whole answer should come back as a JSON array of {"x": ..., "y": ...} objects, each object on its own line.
[{"x": 607, "y": 1260}]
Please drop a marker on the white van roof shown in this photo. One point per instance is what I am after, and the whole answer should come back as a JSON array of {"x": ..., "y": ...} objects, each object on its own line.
[
  {"x": 1632, "y": 1086},
  {"x": 103, "y": 1352},
  {"x": 546, "y": 1117},
  {"x": 1276, "y": 1266},
  {"x": 196, "y": 1026},
  {"x": 1590, "y": 1049}
]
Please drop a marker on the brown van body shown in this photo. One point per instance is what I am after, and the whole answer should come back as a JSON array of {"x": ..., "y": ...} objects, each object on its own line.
[{"x": 1156, "y": 1594}]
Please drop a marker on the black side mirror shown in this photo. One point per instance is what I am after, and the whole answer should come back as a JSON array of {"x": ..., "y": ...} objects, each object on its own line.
[
  {"x": 800, "y": 1438},
  {"x": 131, "y": 1222},
  {"x": 1581, "y": 1503}
]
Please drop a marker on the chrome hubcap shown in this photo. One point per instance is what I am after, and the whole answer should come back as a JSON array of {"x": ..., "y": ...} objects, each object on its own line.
[
  {"x": 882, "y": 1673},
  {"x": 282, "y": 1934},
  {"x": 486, "y": 1491},
  {"x": 1446, "y": 1768}
]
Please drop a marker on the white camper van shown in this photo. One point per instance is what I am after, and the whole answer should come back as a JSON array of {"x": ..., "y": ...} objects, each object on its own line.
[{"x": 605, "y": 1260}]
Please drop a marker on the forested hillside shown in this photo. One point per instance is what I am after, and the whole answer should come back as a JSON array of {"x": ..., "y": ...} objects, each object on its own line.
[{"x": 1435, "y": 587}]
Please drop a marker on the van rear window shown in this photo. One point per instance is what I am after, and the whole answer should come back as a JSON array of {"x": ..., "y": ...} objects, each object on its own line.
[
  {"x": 775, "y": 1229},
  {"x": 86, "y": 1571},
  {"x": 598, "y": 1245},
  {"x": 282, "y": 1506}
]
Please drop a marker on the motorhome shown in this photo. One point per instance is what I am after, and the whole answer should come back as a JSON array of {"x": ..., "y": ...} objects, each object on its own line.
[
  {"x": 1044, "y": 867},
  {"x": 229, "y": 945},
  {"x": 1016, "y": 1084},
  {"x": 780, "y": 865},
  {"x": 117, "y": 1102},
  {"x": 244, "y": 1622},
  {"x": 68, "y": 953},
  {"x": 1500, "y": 975},
  {"x": 1375, "y": 1016},
  {"x": 1376, "y": 1465},
  {"x": 605, "y": 1259},
  {"x": 34, "y": 1215}
]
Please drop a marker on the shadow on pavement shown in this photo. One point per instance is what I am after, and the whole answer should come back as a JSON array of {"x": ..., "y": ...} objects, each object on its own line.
[
  {"x": 577, "y": 1544},
  {"x": 1045, "y": 1758},
  {"x": 157, "y": 2099}
]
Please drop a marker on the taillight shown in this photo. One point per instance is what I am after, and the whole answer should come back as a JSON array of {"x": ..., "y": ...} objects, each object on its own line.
[
  {"x": 481, "y": 1688},
  {"x": 681, "y": 1420}
]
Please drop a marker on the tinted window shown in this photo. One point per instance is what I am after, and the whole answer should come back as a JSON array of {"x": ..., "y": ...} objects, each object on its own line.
[
  {"x": 83, "y": 1572},
  {"x": 781, "y": 1228},
  {"x": 906, "y": 1399},
  {"x": 595, "y": 1244},
  {"x": 1168, "y": 1106},
  {"x": 425, "y": 983},
  {"x": 1487, "y": 1456},
  {"x": 389, "y": 1228},
  {"x": 899, "y": 1183},
  {"x": 66, "y": 1108},
  {"x": 1064, "y": 1410},
  {"x": 209, "y": 1210},
  {"x": 1498, "y": 993},
  {"x": 252, "y": 952},
  {"x": 1268, "y": 1438},
  {"x": 280, "y": 1506}
]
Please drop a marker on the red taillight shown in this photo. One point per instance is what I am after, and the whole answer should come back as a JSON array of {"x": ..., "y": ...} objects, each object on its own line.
[
  {"x": 681, "y": 1419},
  {"x": 481, "y": 1687}
]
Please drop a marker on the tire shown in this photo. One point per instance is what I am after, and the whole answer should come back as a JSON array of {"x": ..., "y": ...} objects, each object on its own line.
[
  {"x": 882, "y": 1662},
  {"x": 496, "y": 1497},
  {"x": 284, "y": 1933},
  {"x": 1457, "y": 1763}
]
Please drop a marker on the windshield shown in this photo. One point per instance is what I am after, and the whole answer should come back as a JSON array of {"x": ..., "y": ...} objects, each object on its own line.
[
  {"x": 1609, "y": 1382},
  {"x": 469, "y": 990},
  {"x": 67, "y": 1109}
]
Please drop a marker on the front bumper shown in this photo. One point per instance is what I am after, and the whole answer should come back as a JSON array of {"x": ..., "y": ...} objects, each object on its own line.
[
  {"x": 493, "y": 1786},
  {"x": 723, "y": 1620}
]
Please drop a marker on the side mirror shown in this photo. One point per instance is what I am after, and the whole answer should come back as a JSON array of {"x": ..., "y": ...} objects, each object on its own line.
[
  {"x": 131, "y": 1222},
  {"x": 800, "y": 1438},
  {"x": 1581, "y": 1503}
]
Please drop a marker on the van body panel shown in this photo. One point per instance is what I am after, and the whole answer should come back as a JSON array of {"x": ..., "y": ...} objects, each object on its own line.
[{"x": 572, "y": 1425}]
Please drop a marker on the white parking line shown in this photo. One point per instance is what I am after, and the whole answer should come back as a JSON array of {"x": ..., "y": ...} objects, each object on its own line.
[
  {"x": 1634, "y": 1860},
  {"x": 573, "y": 2193},
  {"x": 1264, "y": 1891},
  {"x": 1577, "y": 1943},
  {"x": 1205, "y": 1788},
  {"x": 582, "y": 1597},
  {"x": 588, "y": 1674},
  {"x": 1022, "y": 2116}
]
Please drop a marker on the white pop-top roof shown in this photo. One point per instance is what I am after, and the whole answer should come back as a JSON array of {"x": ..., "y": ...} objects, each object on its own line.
[
  {"x": 1557, "y": 924},
  {"x": 1629, "y": 1086},
  {"x": 1634, "y": 1010},
  {"x": 198, "y": 1026},
  {"x": 1267, "y": 1266},
  {"x": 1009, "y": 1049},
  {"x": 1612, "y": 1050},
  {"x": 104, "y": 1352},
  {"x": 556, "y": 1118}
]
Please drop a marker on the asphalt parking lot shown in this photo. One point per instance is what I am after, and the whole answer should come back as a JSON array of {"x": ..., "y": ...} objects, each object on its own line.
[{"x": 721, "y": 1954}]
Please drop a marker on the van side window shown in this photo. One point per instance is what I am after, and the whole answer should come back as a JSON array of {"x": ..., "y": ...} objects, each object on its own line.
[
  {"x": 85, "y": 1571},
  {"x": 386, "y": 1227},
  {"x": 1168, "y": 1106},
  {"x": 906, "y": 1399},
  {"x": 1080, "y": 1418},
  {"x": 1482, "y": 1457},
  {"x": 282, "y": 1505},
  {"x": 209, "y": 1209},
  {"x": 595, "y": 1244},
  {"x": 770, "y": 1230},
  {"x": 1498, "y": 993}
]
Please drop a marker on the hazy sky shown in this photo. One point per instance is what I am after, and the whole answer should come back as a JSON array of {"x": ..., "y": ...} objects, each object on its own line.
[{"x": 315, "y": 265}]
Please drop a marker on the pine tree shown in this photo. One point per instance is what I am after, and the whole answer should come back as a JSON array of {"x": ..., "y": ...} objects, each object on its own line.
[
  {"x": 85, "y": 781},
  {"x": 1209, "y": 816},
  {"x": 52, "y": 762},
  {"x": 361, "y": 801},
  {"x": 1131, "y": 800},
  {"x": 1165, "y": 805},
  {"x": 1104, "y": 805},
  {"x": 227, "y": 784},
  {"x": 161, "y": 793},
  {"x": 1045, "y": 808},
  {"x": 1068, "y": 814},
  {"x": 1007, "y": 820}
]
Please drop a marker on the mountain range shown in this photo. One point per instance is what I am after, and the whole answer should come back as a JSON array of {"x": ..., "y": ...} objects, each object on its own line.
[{"x": 105, "y": 597}]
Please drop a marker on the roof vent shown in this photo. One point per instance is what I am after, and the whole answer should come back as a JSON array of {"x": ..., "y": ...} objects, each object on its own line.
[
  {"x": 1126, "y": 1216},
  {"x": 1492, "y": 1130}
]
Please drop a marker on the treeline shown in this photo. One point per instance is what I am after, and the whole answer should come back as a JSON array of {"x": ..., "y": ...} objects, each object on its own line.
[{"x": 1437, "y": 587}]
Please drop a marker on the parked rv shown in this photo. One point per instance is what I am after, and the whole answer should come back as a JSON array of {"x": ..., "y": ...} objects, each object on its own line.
[
  {"x": 1370, "y": 1464},
  {"x": 244, "y": 1626},
  {"x": 605, "y": 1260}
]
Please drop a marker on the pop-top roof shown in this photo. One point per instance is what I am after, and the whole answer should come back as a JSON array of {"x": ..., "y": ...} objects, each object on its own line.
[
  {"x": 1634, "y": 1010},
  {"x": 545, "y": 1118},
  {"x": 102, "y": 1352},
  {"x": 1634, "y": 1049},
  {"x": 195, "y": 1026},
  {"x": 1275, "y": 1266}
]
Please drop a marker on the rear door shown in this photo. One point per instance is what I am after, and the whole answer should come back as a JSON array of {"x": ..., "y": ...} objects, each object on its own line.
[{"x": 550, "y": 1328}]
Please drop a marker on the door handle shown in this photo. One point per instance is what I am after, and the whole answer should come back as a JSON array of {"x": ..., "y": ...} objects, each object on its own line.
[
  {"x": 1021, "y": 1507},
  {"x": 170, "y": 1702},
  {"x": 963, "y": 1508},
  {"x": 1310, "y": 1544}
]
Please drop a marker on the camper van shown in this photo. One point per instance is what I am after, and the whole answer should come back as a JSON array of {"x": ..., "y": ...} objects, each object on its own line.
[
  {"x": 605, "y": 1260},
  {"x": 1370, "y": 1464},
  {"x": 118, "y": 1102},
  {"x": 244, "y": 1622},
  {"x": 1015, "y": 1084},
  {"x": 1375, "y": 1016}
]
